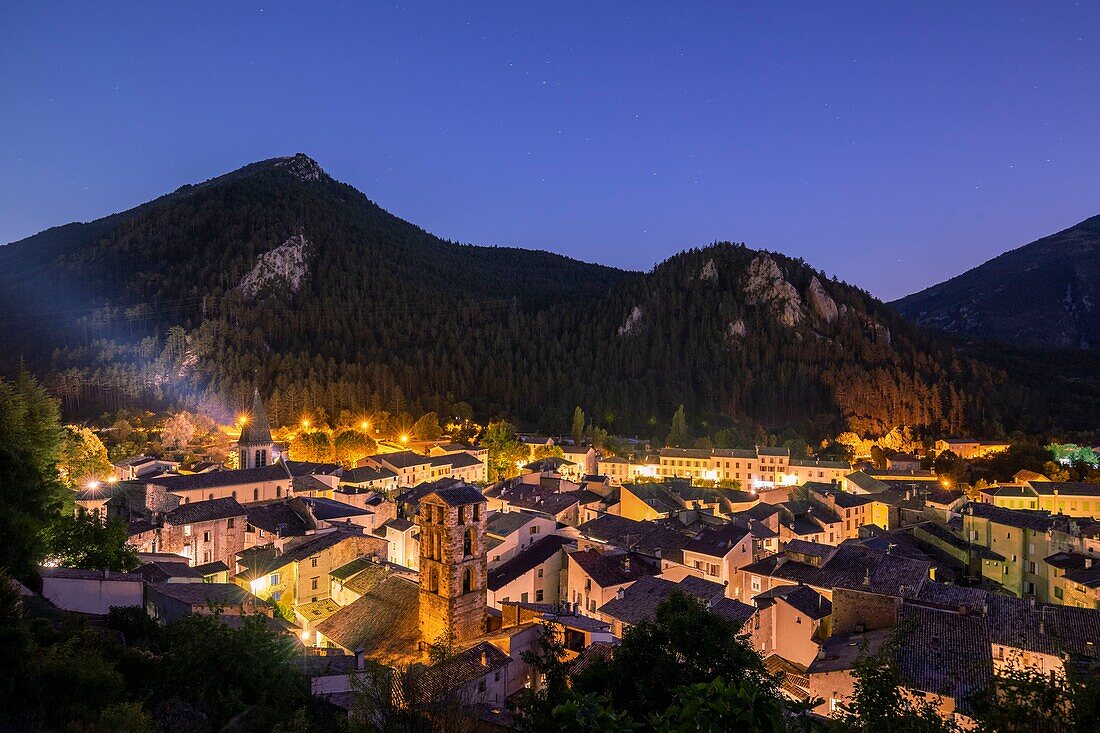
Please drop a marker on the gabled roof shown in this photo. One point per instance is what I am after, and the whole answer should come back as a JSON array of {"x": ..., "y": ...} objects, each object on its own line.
[
  {"x": 607, "y": 569},
  {"x": 398, "y": 525},
  {"x": 717, "y": 541},
  {"x": 206, "y": 594},
  {"x": 383, "y": 623},
  {"x": 867, "y": 483},
  {"x": 1065, "y": 488},
  {"x": 802, "y": 598},
  {"x": 402, "y": 459},
  {"x": 327, "y": 509},
  {"x": 853, "y": 566},
  {"x": 526, "y": 560},
  {"x": 205, "y": 511},
  {"x": 638, "y": 602},
  {"x": 259, "y": 561},
  {"x": 1021, "y": 518},
  {"x": 503, "y": 524},
  {"x": 256, "y": 430},
  {"x": 159, "y": 571},
  {"x": 218, "y": 479},
  {"x": 652, "y": 539},
  {"x": 282, "y": 517},
  {"x": 366, "y": 474}
]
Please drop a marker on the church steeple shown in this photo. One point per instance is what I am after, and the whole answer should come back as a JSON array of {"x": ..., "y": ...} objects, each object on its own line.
[{"x": 255, "y": 444}]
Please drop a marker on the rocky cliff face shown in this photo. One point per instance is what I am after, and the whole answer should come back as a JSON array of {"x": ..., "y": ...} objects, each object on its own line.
[
  {"x": 765, "y": 285},
  {"x": 282, "y": 269}
]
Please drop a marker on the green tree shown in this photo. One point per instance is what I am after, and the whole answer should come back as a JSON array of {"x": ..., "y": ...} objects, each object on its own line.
[
  {"x": 547, "y": 451},
  {"x": 350, "y": 446},
  {"x": 505, "y": 450},
  {"x": 312, "y": 445},
  {"x": 89, "y": 541},
  {"x": 30, "y": 492},
  {"x": 82, "y": 458},
  {"x": 427, "y": 427},
  {"x": 880, "y": 702},
  {"x": 577, "y": 428},
  {"x": 719, "y": 706},
  {"x": 678, "y": 434},
  {"x": 684, "y": 644}
]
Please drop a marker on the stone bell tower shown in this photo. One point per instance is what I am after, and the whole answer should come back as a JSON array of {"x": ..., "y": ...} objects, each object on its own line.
[
  {"x": 255, "y": 445},
  {"x": 453, "y": 572}
]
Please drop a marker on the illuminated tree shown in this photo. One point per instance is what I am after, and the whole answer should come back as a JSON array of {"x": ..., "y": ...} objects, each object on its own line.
[
  {"x": 577, "y": 429},
  {"x": 82, "y": 457}
]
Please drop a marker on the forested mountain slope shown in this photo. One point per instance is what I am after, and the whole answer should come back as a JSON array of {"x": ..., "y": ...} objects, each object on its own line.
[
  {"x": 279, "y": 276},
  {"x": 1044, "y": 294}
]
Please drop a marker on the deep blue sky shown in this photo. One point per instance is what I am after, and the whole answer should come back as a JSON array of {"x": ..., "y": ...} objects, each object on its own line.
[{"x": 893, "y": 144}]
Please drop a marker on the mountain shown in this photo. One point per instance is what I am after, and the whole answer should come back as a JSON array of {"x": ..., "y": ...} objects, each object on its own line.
[
  {"x": 1046, "y": 294},
  {"x": 280, "y": 277}
]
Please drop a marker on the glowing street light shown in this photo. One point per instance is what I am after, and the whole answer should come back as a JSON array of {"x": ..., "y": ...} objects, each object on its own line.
[
  {"x": 404, "y": 439},
  {"x": 242, "y": 419},
  {"x": 365, "y": 425},
  {"x": 305, "y": 424}
]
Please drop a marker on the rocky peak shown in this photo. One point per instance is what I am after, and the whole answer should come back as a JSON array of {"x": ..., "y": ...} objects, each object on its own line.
[
  {"x": 302, "y": 167},
  {"x": 765, "y": 285}
]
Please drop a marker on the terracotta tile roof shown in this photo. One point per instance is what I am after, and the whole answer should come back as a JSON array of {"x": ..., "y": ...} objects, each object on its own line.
[
  {"x": 221, "y": 479},
  {"x": 383, "y": 623},
  {"x": 853, "y": 566},
  {"x": 802, "y": 598},
  {"x": 205, "y": 511},
  {"x": 206, "y": 594},
  {"x": 717, "y": 541},
  {"x": 526, "y": 560},
  {"x": 638, "y": 601},
  {"x": 607, "y": 570},
  {"x": 595, "y": 653}
]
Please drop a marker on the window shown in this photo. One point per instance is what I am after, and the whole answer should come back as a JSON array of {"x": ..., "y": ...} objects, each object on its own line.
[
  {"x": 233, "y": 493},
  {"x": 755, "y": 583},
  {"x": 468, "y": 581},
  {"x": 798, "y": 619},
  {"x": 187, "y": 530},
  {"x": 469, "y": 542},
  {"x": 540, "y": 572},
  {"x": 481, "y": 685},
  {"x": 205, "y": 536},
  {"x": 534, "y": 530},
  {"x": 278, "y": 491},
  {"x": 1058, "y": 593},
  {"x": 211, "y": 496},
  {"x": 273, "y": 579},
  {"x": 433, "y": 580},
  {"x": 229, "y": 523},
  {"x": 462, "y": 515},
  {"x": 538, "y": 596},
  {"x": 313, "y": 584},
  {"x": 255, "y": 494},
  {"x": 313, "y": 562}
]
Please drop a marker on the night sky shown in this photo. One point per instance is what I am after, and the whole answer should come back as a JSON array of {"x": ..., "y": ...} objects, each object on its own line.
[{"x": 891, "y": 144}]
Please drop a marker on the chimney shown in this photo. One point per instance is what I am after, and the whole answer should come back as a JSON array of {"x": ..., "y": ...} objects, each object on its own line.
[
  {"x": 484, "y": 658},
  {"x": 620, "y": 593}
]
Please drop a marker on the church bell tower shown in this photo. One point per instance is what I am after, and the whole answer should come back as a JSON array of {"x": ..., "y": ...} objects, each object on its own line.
[
  {"x": 255, "y": 445},
  {"x": 453, "y": 571}
]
